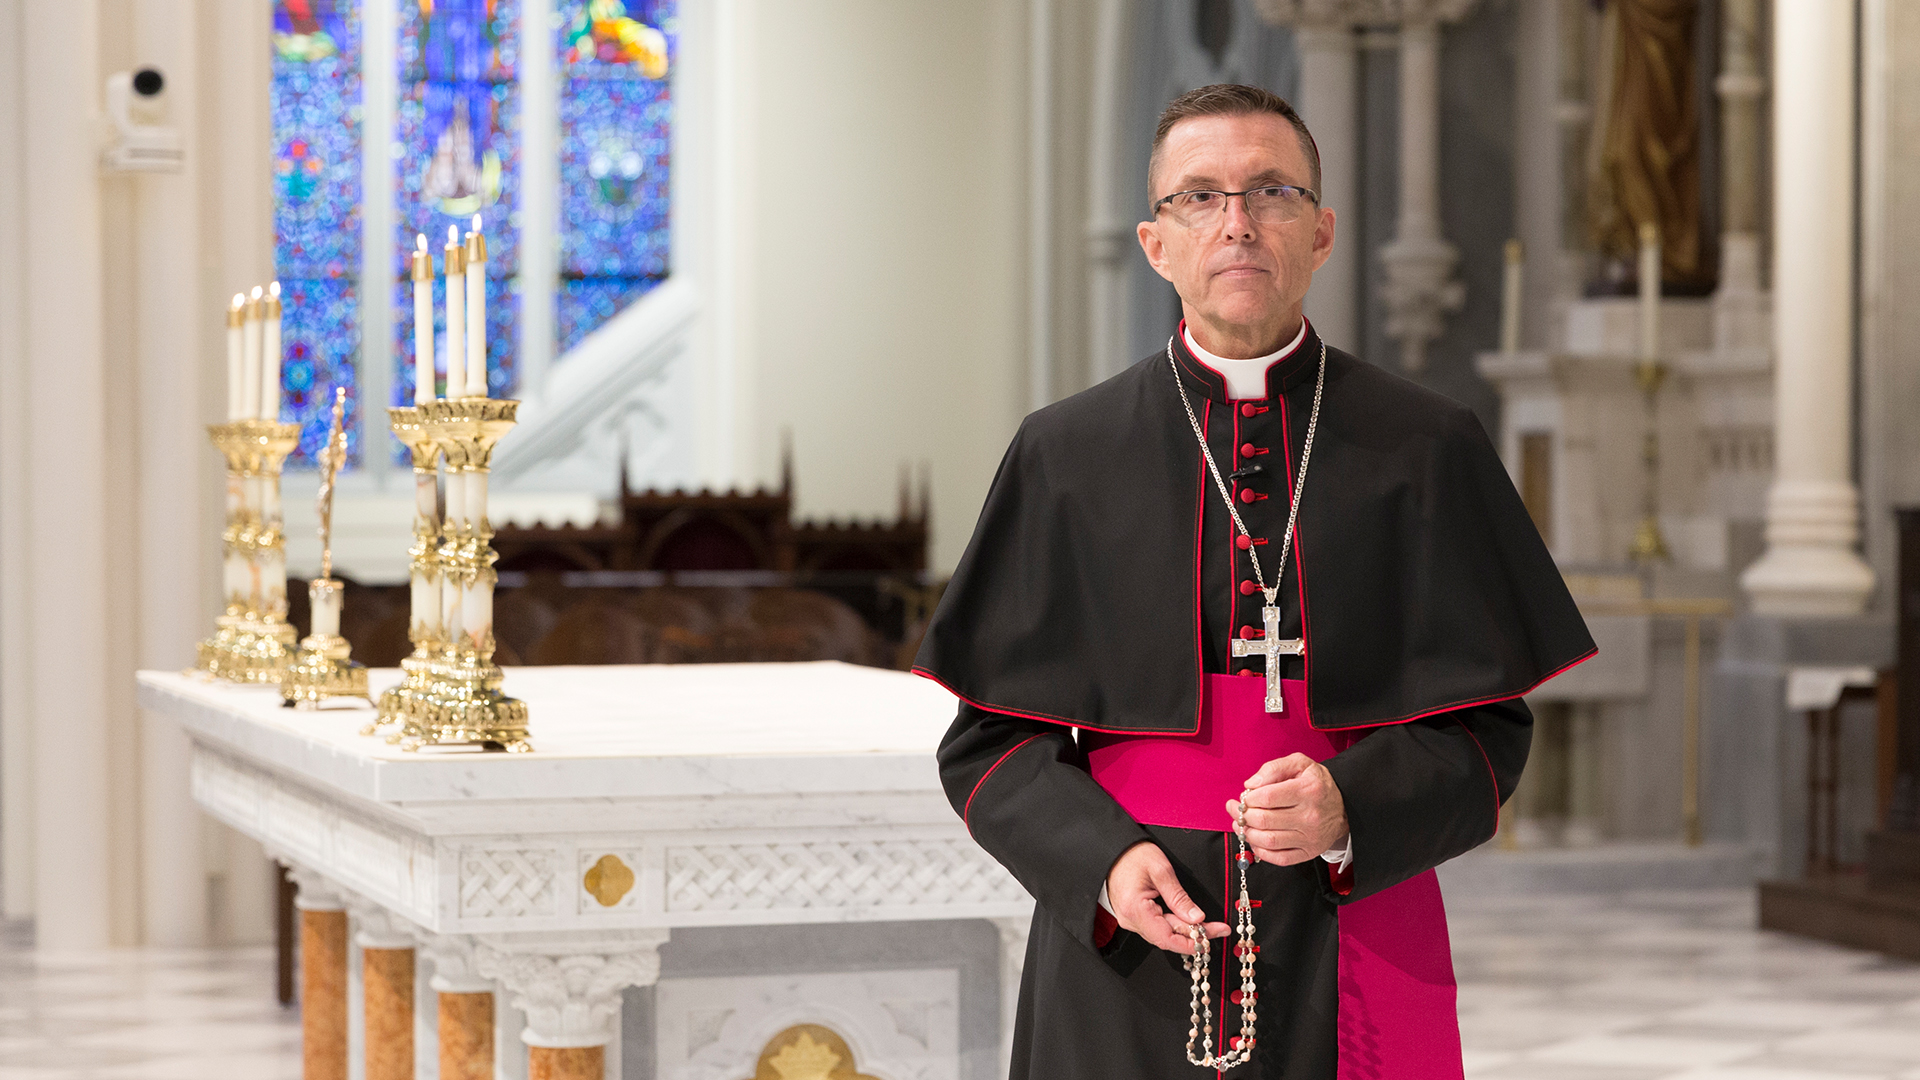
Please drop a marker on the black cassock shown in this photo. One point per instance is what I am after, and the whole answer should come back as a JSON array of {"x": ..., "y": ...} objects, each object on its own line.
[{"x": 1103, "y": 585}]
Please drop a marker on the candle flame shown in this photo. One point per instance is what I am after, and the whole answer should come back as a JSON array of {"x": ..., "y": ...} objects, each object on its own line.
[
  {"x": 273, "y": 289},
  {"x": 453, "y": 234},
  {"x": 258, "y": 292},
  {"x": 476, "y": 223},
  {"x": 239, "y": 301},
  {"x": 421, "y": 240}
]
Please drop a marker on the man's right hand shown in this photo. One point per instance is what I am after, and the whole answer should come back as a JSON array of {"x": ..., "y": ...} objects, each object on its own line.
[{"x": 1148, "y": 900}]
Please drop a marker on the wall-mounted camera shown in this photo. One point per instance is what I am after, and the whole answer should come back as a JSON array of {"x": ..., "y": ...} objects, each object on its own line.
[{"x": 138, "y": 142}]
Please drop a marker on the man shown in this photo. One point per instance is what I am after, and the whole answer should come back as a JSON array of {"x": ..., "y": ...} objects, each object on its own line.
[{"x": 1153, "y": 667}]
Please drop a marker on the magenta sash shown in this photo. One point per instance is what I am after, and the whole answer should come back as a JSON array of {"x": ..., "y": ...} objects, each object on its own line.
[{"x": 1397, "y": 993}]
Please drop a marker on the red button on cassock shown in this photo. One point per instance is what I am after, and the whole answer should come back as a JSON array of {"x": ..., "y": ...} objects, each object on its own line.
[
  {"x": 1248, "y": 588},
  {"x": 1243, "y": 541},
  {"x": 1248, "y": 495},
  {"x": 1250, "y": 450},
  {"x": 1248, "y": 408},
  {"x": 1252, "y": 632}
]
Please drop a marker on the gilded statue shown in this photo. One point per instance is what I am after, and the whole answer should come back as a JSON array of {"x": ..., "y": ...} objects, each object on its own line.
[{"x": 1646, "y": 159}]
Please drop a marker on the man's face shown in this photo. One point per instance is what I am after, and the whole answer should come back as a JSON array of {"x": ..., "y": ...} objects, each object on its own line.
[{"x": 1241, "y": 282}]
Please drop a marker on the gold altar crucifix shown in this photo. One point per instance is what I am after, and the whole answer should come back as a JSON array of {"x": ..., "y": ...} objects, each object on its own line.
[{"x": 1270, "y": 646}]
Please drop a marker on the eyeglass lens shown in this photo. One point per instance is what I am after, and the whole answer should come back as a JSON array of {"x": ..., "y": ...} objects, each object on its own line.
[{"x": 1268, "y": 205}]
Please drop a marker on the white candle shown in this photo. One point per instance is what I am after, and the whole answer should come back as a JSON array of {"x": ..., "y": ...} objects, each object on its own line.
[
  {"x": 476, "y": 311},
  {"x": 1649, "y": 291},
  {"x": 423, "y": 382},
  {"x": 270, "y": 357},
  {"x": 456, "y": 269},
  {"x": 324, "y": 601},
  {"x": 1510, "y": 301},
  {"x": 250, "y": 361},
  {"x": 236, "y": 355}
]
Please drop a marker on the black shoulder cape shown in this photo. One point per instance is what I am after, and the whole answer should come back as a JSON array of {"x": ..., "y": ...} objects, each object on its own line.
[{"x": 1077, "y": 599}]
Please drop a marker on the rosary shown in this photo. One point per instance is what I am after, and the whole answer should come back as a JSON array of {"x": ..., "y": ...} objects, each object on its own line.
[{"x": 1241, "y": 1049}]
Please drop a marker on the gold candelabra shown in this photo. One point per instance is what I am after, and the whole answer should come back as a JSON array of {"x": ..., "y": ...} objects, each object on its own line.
[
  {"x": 324, "y": 667},
  {"x": 252, "y": 640},
  {"x": 423, "y": 624},
  {"x": 451, "y": 693}
]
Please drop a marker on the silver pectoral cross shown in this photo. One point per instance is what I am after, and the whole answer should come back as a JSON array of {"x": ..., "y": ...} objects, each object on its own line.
[{"x": 1271, "y": 647}]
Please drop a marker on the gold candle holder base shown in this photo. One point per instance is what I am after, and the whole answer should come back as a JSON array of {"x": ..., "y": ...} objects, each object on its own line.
[
  {"x": 261, "y": 652},
  {"x": 322, "y": 670},
  {"x": 463, "y": 705},
  {"x": 397, "y": 703}
]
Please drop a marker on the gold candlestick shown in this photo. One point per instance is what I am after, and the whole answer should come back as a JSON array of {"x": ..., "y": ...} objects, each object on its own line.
[
  {"x": 462, "y": 702},
  {"x": 253, "y": 638},
  {"x": 423, "y": 625},
  {"x": 324, "y": 667}
]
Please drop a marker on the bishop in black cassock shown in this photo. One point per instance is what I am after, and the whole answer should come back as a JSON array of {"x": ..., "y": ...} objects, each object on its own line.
[{"x": 1093, "y": 615}]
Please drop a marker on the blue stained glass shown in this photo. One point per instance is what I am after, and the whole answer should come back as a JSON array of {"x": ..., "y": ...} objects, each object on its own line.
[
  {"x": 314, "y": 104},
  {"x": 585, "y": 303},
  {"x": 616, "y": 143},
  {"x": 320, "y": 336},
  {"x": 457, "y": 154}
]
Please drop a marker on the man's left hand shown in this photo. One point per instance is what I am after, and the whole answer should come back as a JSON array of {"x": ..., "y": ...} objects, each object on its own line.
[{"x": 1291, "y": 811}]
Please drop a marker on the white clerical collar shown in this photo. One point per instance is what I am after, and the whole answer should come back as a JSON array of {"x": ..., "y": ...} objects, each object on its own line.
[{"x": 1245, "y": 378}]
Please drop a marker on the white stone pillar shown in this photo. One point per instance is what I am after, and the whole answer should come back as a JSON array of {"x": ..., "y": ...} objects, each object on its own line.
[
  {"x": 569, "y": 986},
  {"x": 68, "y": 516},
  {"x": 1329, "y": 103},
  {"x": 174, "y": 545},
  {"x": 1811, "y": 566},
  {"x": 1740, "y": 309},
  {"x": 1110, "y": 237},
  {"x": 1420, "y": 289}
]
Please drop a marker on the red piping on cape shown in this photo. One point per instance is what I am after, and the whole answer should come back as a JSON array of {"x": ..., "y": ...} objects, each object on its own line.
[
  {"x": 1495, "y": 780},
  {"x": 1299, "y": 568},
  {"x": 1199, "y": 535},
  {"x": 1067, "y": 722},
  {"x": 1233, "y": 552},
  {"x": 967, "y": 810},
  {"x": 1456, "y": 706}
]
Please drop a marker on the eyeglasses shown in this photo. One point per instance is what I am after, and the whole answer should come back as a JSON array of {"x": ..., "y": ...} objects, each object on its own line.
[{"x": 1275, "y": 204}]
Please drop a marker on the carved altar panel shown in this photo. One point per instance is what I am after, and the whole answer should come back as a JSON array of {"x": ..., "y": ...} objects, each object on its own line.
[{"x": 896, "y": 1025}]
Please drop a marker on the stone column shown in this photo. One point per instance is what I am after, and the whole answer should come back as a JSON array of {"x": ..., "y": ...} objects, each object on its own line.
[
  {"x": 466, "y": 1009},
  {"x": 323, "y": 977},
  {"x": 569, "y": 986},
  {"x": 1420, "y": 289},
  {"x": 1329, "y": 103},
  {"x": 387, "y": 982},
  {"x": 1740, "y": 305},
  {"x": 1811, "y": 567}
]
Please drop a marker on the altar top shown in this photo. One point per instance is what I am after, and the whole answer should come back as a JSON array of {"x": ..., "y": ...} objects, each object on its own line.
[{"x": 610, "y": 731}]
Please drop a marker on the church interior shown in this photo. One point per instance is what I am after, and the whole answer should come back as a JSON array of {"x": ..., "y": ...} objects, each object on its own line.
[{"x": 487, "y": 657}]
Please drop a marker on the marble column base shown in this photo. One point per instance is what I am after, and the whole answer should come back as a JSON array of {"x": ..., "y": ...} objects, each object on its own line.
[
  {"x": 389, "y": 998},
  {"x": 466, "y": 1036},
  {"x": 567, "y": 1063},
  {"x": 323, "y": 995}
]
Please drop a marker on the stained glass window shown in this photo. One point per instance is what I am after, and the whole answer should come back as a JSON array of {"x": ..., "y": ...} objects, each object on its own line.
[
  {"x": 315, "y": 105},
  {"x": 616, "y": 126},
  {"x": 457, "y": 154}
]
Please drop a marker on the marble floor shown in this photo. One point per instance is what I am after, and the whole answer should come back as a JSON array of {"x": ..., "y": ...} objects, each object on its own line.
[{"x": 1637, "y": 986}]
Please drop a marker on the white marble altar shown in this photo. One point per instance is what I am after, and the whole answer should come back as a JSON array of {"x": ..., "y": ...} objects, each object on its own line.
[{"x": 656, "y": 798}]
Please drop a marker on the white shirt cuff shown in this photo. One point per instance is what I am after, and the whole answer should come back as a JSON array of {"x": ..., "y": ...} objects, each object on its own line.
[{"x": 1105, "y": 904}]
